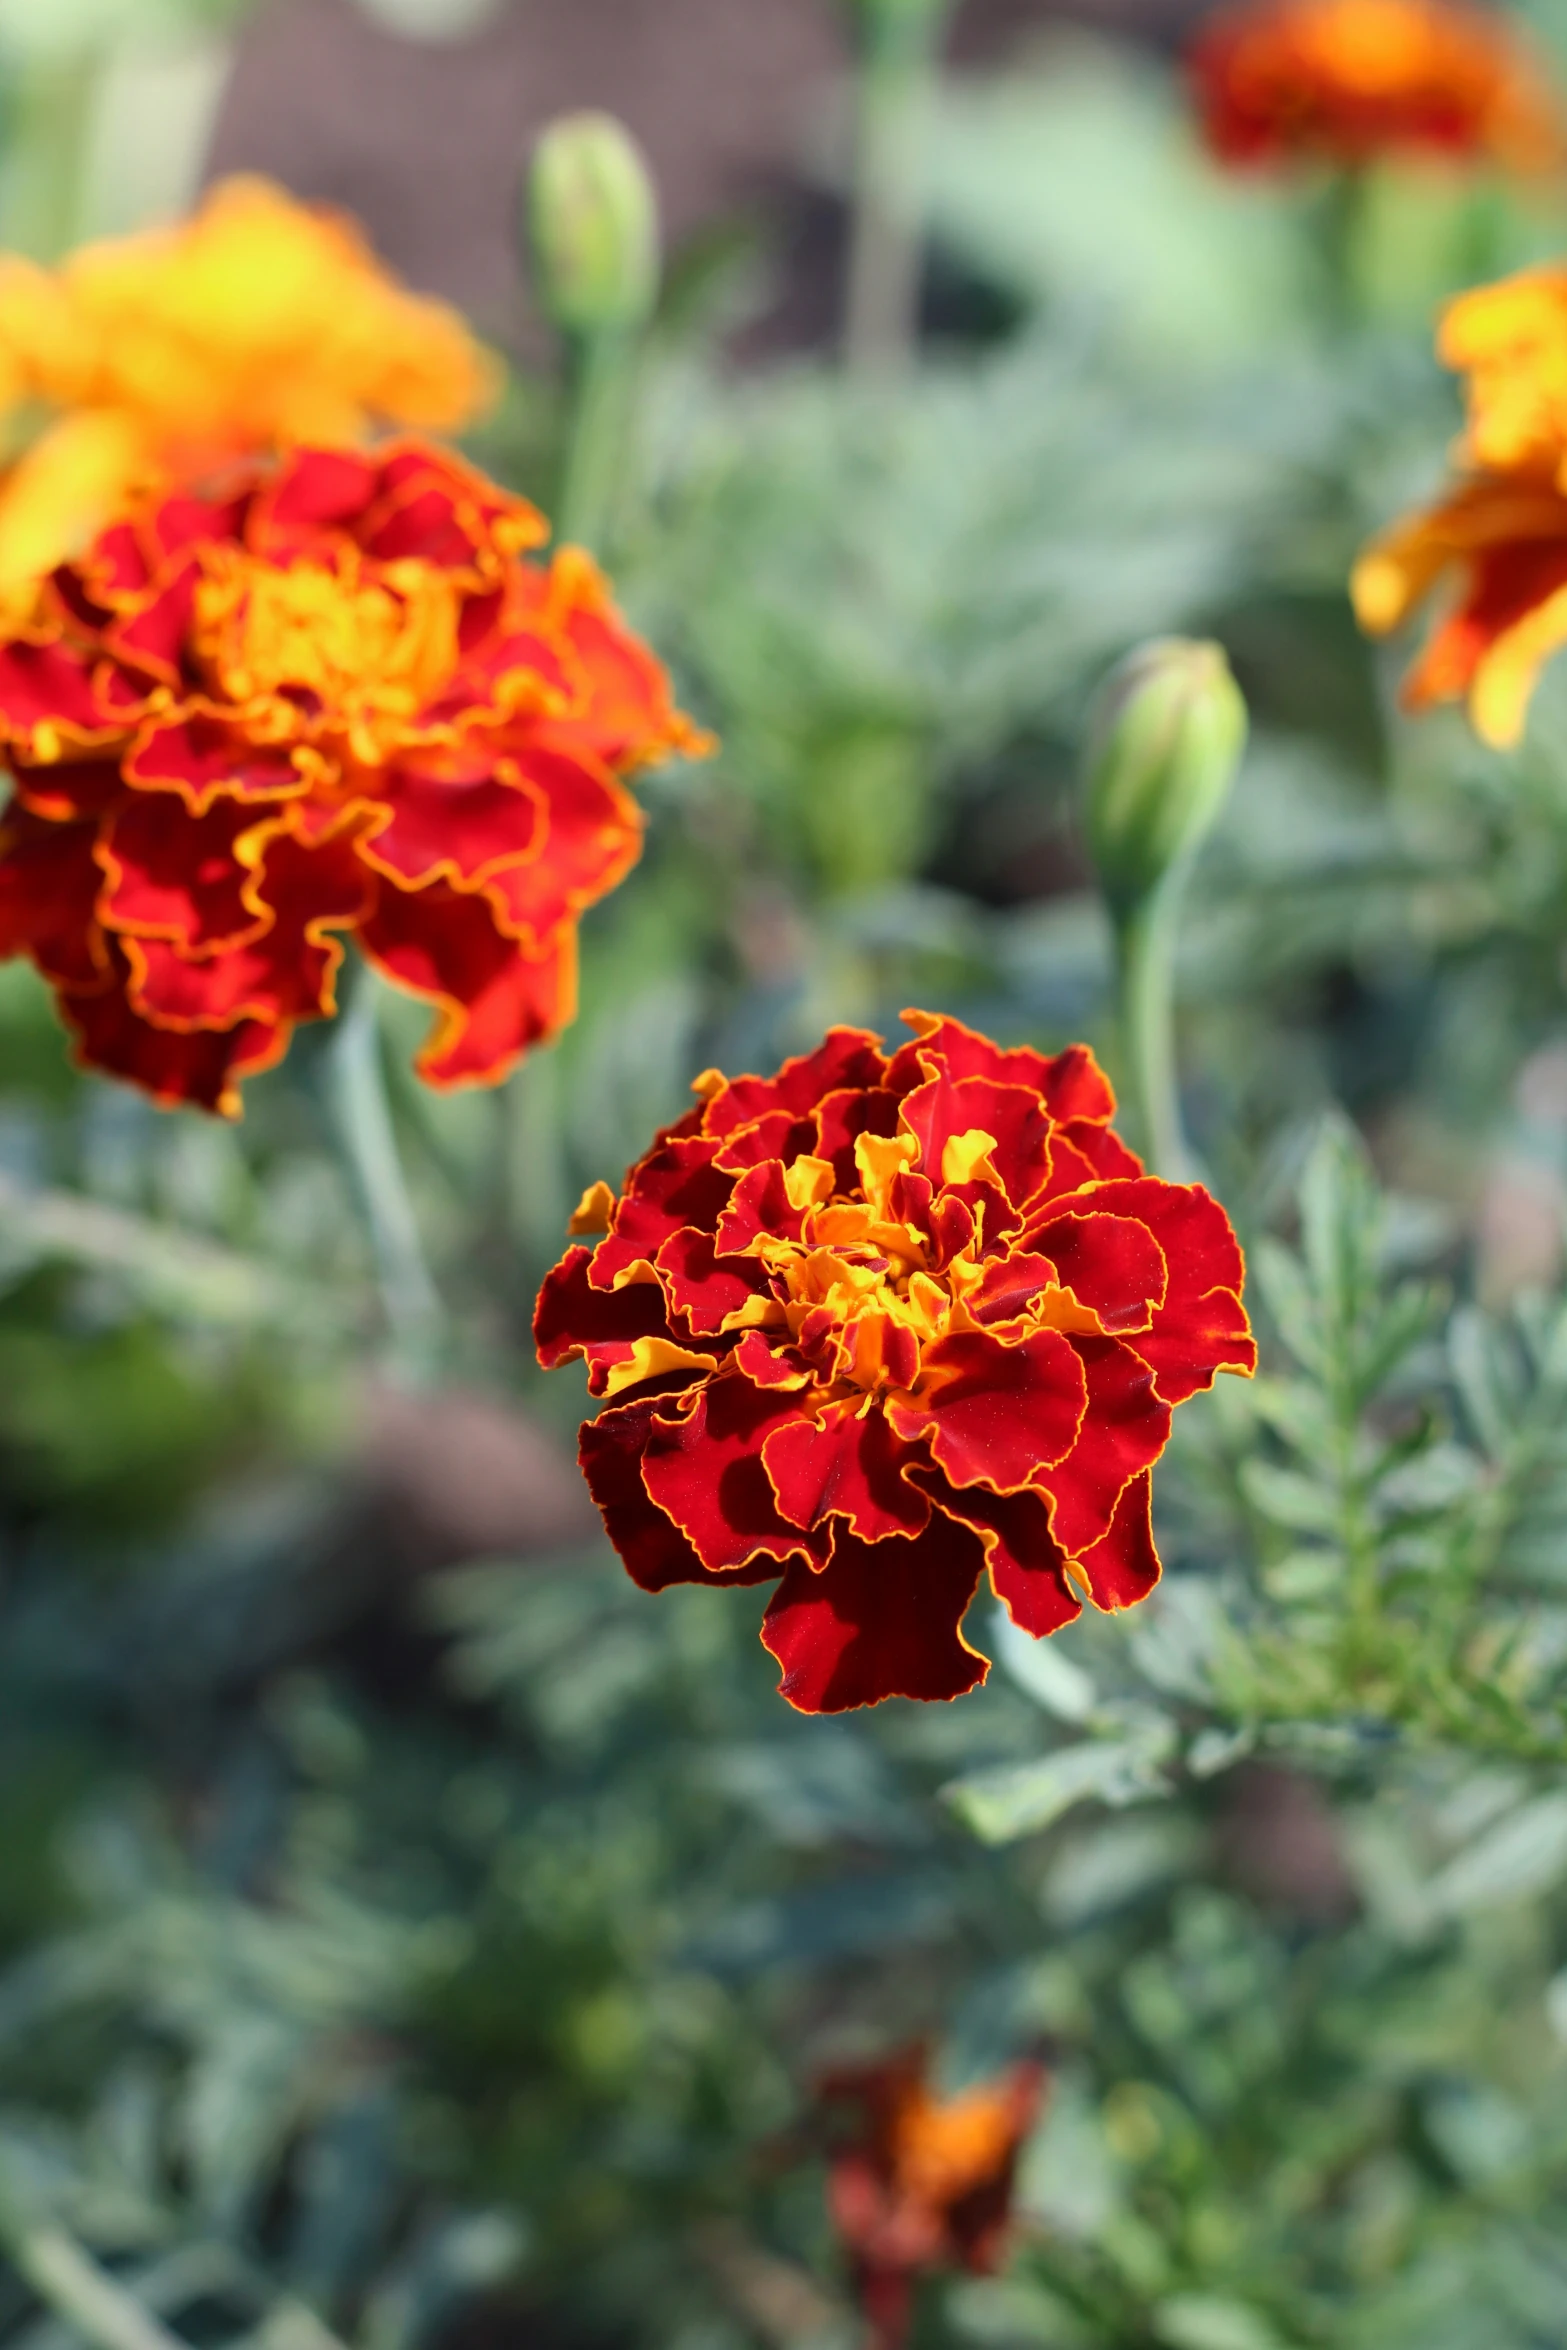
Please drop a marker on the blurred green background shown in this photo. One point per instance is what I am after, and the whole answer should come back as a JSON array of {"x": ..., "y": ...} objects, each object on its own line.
[{"x": 411, "y": 1935}]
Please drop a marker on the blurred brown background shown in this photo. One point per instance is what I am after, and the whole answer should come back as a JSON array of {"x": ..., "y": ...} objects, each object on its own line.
[{"x": 422, "y": 138}]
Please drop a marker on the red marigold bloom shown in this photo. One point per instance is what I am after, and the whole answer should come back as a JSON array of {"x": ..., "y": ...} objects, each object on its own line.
[
  {"x": 879, "y": 1323},
  {"x": 927, "y": 2181},
  {"x": 335, "y": 700},
  {"x": 1344, "y": 81}
]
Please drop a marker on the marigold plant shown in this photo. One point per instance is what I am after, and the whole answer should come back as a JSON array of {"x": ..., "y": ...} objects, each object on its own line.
[
  {"x": 1344, "y": 81},
  {"x": 1502, "y": 528},
  {"x": 337, "y": 701},
  {"x": 257, "y": 323},
  {"x": 926, "y": 2181},
  {"x": 877, "y": 1324}
]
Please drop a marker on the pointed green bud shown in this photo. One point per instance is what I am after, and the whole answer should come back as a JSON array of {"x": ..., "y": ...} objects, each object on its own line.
[
  {"x": 592, "y": 221},
  {"x": 1164, "y": 741}
]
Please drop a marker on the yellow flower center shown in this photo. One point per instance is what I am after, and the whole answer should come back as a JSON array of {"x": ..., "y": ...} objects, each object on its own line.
[
  {"x": 355, "y": 659},
  {"x": 868, "y": 1268}
]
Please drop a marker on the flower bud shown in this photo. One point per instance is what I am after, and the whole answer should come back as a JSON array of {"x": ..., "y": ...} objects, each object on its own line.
[
  {"x": 592, "y": 221},
  {"x": 1164, "y": 742}
]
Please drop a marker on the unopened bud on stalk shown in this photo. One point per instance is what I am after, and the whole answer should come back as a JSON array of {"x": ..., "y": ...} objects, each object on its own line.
[
  {"x": 1164, "y": 742},
  {"x": 592, "y": 220}
]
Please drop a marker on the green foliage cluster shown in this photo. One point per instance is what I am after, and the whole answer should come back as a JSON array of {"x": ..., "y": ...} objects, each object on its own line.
[{"x": 411, "y": 1960}]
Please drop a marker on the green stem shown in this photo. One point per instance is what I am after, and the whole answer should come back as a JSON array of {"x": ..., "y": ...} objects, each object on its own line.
[
  {"x": 414, "y": 1312},
  {"x": 1145, "y": 939},
  {"x": 73, "y": 2285},
  {"x": 601, "y": 374},
  {"x": 893, "y": 93}
]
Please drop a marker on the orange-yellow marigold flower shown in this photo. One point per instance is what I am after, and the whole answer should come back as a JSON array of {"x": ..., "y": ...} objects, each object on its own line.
[
  {"x": 1344, "y": 81},
  {"x": 336, "y": 701},
  {"x": 926, "y": 2181},
  {"x": 257, "y": 323}
]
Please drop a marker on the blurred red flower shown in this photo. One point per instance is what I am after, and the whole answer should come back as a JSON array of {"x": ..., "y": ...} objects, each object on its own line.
[
  {"x": 1344, "y": 81},
  {"x": 925, "y": 2182},
  {"x": 875, "y": 1325},
  {"x": 333, "y": 701}
]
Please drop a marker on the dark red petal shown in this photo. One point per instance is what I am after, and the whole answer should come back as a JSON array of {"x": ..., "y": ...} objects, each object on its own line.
[
  {"x": 850, "y": 1465},
  {"x": 1124, "y": 1430},
  {"x": 705, "y": 1471},
  {"x": 1027, "y": 1569},
  {"x": 945, "y": 1108},
  {"x": 315, "y": 494},
  {"x": 703, "y": 1288},
  {"x": 71, "y": 788},
  {"x": 454, "y": 817},
  {"x": 768, "y": 1363},
  {"x": 1009, "y": 1286},
  {"x": 591, "y": 838},
  {"x": 850, "y": 1111},
  {"x": 50, "y": 696},
  {"x": 845, "y": 1057},
  {"x": 1124, "y": 1567},
  {"x": 202, "y": 757},
  {"x": 1111, "y": 1264},
  {"x": 153, "y": 634},
  {"x": 202, "y": 1067},
  {"x": 778, "y": 1134},
  {"x": 1201, "y": 1327},
  {"x": 495, "y": 998},
  {"x": 1106, "y": 1154},
  {"x": 668, "y": 1190},
  {"x": 759, "y": 1207},
  {"x": 654, "y": 1552},
  {"x": 1071, "y": 1084},
  {"x": 573, "y": 1318},
  {"x": 174, "y": 875},
  {"x": 881, "y": 1619},
  {"x": 997, "y": 1415},
  {"x": 49, "y": 884}
]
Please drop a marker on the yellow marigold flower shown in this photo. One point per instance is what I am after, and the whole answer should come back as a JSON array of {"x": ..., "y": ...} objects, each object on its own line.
[
  {"x": 1510, "y": 341},
  {"x": 259, "y": 322}
]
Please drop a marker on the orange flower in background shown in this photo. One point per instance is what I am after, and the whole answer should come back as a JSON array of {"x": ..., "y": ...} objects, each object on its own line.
[
  {"x": 337, "y": 701},
  {"x": 926, "y": 2182},
  {"x": 1501, "y": 532},
  {"x": 1342, "y": 82},
  {"x": 879, "y": 1324},
  {"x": 258, "y": 323}
]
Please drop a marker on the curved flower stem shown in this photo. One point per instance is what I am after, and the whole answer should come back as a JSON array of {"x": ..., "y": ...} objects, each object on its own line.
[
  {"x": 600, "y": 376},
  {"x": 894, "y": 86},
  {"x": 1145, "y": 940},
  {"x": 413, "y": 1306}
]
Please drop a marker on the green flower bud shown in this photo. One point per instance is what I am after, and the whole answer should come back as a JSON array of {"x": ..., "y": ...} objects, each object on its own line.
[
  {"x": 1164, "y": 742},
  {"x": 592, "y": 220}
]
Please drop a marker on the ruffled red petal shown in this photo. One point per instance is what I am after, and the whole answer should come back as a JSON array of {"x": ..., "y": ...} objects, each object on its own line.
[
  {"x": 676, "y": 1188},
  {"x": 179, "y": 877},
  {"x": 850, "y": 1466},
  {"x": 655, "y": 1552},
  {"x": 49, "y": 884},
  {"x": 204, "y": 756},
  {"x": 705, "y": 1471},
  {"x": 1124, "y": 1428},
  {"x": 602, "y": 1326},
  {"x": 881, "y": 1619},
  {"x": 994, "y": 1414},
  {"x": 458, "y": 816},
  {"x": 195, "y": 1068},
  {"x": 496, "y": 999}
]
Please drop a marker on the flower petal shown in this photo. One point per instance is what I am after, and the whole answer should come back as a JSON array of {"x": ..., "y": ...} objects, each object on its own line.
[
  {"x": 1200, "y": 1326},
  {"x": 655, "y": 1552},
  {"x": 848, "y": 1465},
  {"x": 602, "y": 1326},
  {"x": 996, "y": 1415},
  {"x": 1125, "y": 1427},
  {"x": 706, "y": 1472},
  {"x": 458, "y": 817},
  {"x": 881, "y": 1619},
  {"x": 495, "y": 997}
]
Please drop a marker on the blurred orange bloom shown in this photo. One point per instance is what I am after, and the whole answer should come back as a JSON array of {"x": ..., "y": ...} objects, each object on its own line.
[
  {"x": 926, "y": 2181},
  {"x": 258, "y": 323},
  {"x": 1345, "y": 81},
  {"x": 1501, "y": 531}
]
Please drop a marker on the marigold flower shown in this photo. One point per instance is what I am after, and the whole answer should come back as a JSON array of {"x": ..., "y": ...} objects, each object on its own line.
[
  {"x": 336, "y": 700},
  {"x": 927, "y": 2181},
  {"x": 1344, "y": 81},
  {"x": 876, "y": 1324},
  {"x": 258, "y": 323}
]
